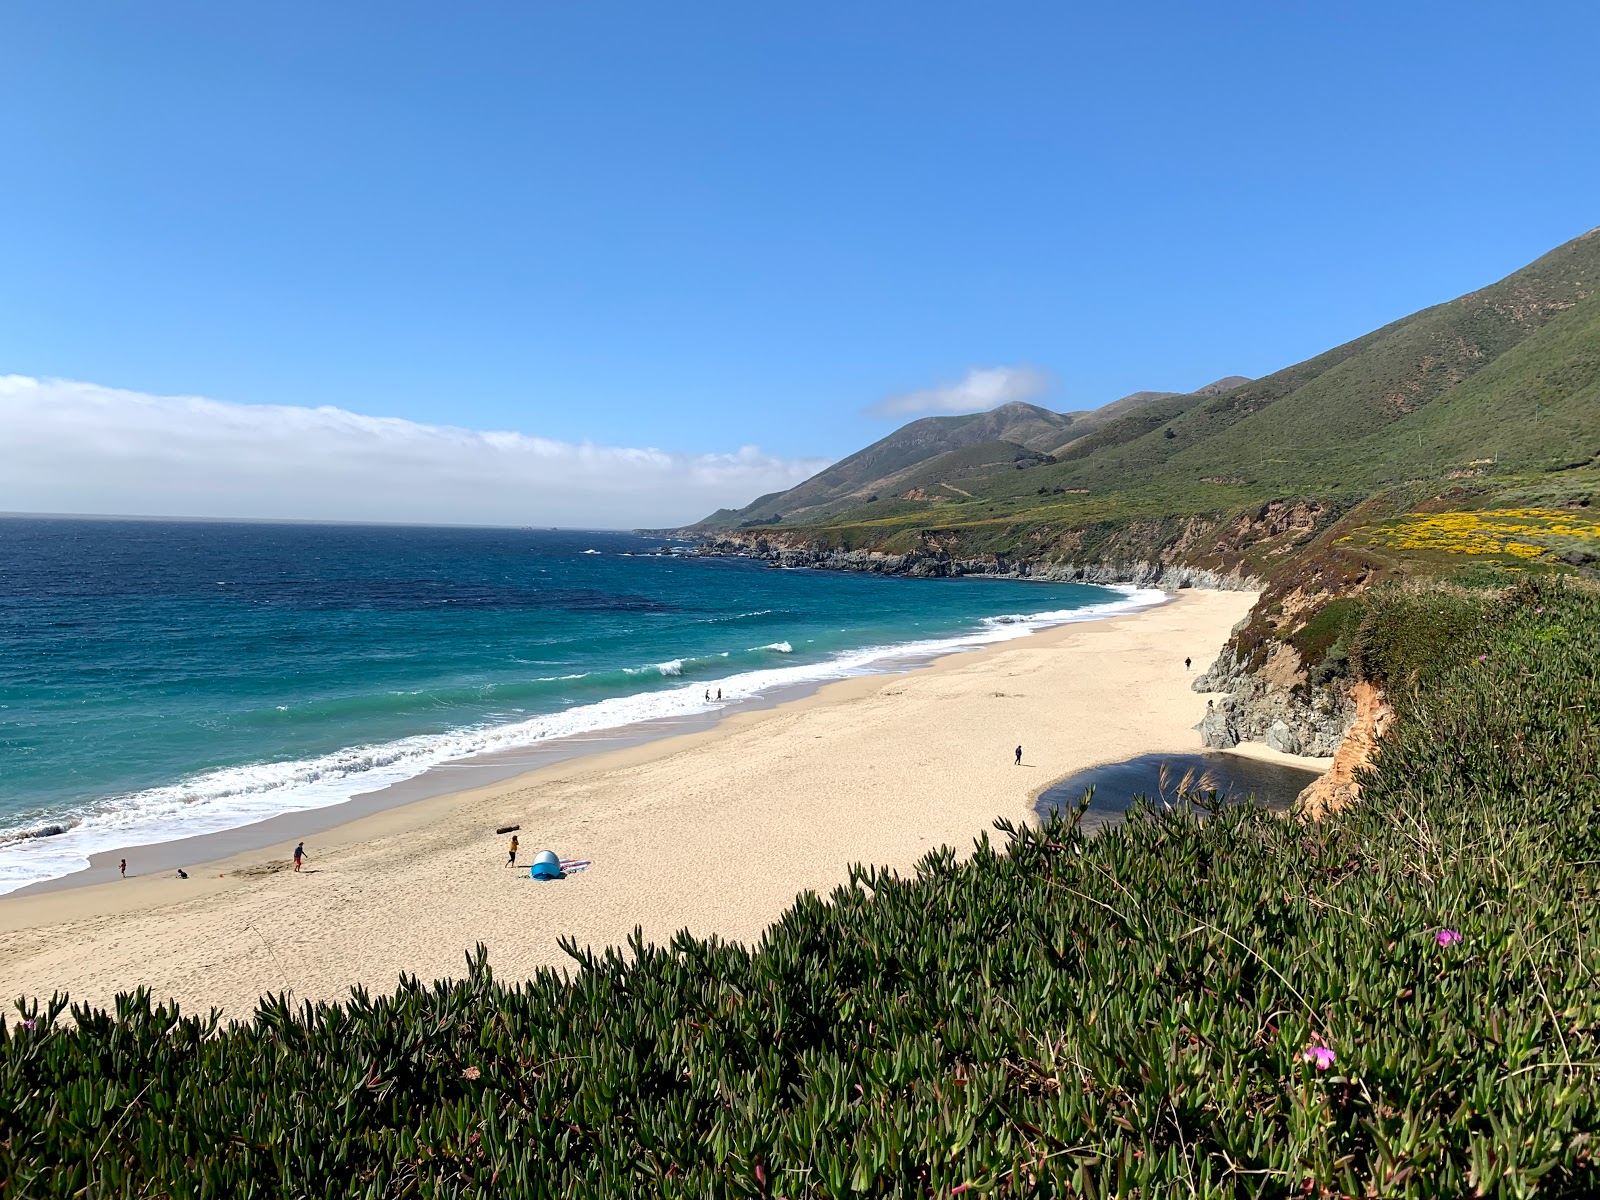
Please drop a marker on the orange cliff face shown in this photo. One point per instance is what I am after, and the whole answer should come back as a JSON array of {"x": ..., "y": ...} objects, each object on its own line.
[{"x": 1337, "y": 789}]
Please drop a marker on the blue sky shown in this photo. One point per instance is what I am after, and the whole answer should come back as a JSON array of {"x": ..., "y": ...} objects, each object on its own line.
[{"x": 704, "y": 226}]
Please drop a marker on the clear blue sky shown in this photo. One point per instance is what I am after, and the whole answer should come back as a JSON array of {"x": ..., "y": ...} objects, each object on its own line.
[{"x": 701, "y": 225}]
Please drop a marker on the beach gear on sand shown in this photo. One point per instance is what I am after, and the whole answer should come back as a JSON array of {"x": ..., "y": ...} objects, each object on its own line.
[{"x": 547, "y": 866}]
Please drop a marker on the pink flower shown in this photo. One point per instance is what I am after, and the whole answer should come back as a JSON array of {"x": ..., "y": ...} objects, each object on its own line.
[
  {"x": 1483, "y": 658},
  {"x": 1320, "y": 1055},
  {"x": 1447, "y": 937}
]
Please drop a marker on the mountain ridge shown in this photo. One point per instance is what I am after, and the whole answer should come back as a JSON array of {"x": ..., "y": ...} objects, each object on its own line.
[{"x": 878, "y": 467}]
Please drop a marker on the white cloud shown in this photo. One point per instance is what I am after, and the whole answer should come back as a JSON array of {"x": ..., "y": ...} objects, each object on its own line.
[
  {"x": 981, "y": 389},
  {"x": 79, "y": 447}
]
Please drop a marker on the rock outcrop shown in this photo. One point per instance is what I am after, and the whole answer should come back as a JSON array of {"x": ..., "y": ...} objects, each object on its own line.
[
  {"x": 1338, "y": 788},
  {"x": 937, "y": 564},
  {"x": 1274, "y": 705}
]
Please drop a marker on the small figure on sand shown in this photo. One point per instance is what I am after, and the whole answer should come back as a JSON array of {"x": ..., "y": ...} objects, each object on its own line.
[
  {"x": 182, "y": 874},
  {"x": 123, "y": 867},
  {"x": 511, "y": 859},
  {"x": 299, "y": 855},
  {"x": 1186, "y": 664},
  {"x": 1019, "y": 756}
]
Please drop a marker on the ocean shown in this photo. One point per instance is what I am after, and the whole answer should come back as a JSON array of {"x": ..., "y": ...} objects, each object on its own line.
[{"x": 164, "y": 679}]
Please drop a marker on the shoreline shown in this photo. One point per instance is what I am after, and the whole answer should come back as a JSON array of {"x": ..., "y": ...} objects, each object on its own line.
[
  {"x": 715, "y": 830},
  {"x": 501, "y": 756},
  {"x": 489, "y": 766}
]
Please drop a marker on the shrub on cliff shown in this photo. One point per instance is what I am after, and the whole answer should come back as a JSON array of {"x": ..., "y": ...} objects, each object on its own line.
[{"x": 1401, "y": 1001}]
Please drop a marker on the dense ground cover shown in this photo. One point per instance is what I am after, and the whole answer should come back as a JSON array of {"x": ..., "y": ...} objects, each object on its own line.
[{"x": 1400, "y": 1001}]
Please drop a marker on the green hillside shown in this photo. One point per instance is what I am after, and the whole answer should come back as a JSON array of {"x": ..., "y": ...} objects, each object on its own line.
[
  {"x": 894, "y": 464},
  {"x": 1498, "y": 390}
]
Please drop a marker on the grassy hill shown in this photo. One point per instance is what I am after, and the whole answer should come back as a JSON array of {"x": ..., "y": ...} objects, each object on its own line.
[
  {"x": 893, "y": 463},
  {"x": 1495, "y": 392}
]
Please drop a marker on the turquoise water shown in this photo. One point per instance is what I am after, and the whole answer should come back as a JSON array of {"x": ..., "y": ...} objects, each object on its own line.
[{"x": 159, "y": 680}]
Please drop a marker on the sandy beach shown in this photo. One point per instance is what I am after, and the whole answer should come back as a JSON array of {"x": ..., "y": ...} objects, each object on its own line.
[{"x": 715, "y": 831}]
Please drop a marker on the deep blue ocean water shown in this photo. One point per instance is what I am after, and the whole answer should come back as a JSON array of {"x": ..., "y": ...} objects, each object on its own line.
[{"x": 160, "y": 679}]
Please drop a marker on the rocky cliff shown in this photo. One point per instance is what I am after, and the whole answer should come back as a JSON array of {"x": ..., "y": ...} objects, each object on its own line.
[
  {"x": 781, "y": 551},
  {"x": 1273, "y": 704}
]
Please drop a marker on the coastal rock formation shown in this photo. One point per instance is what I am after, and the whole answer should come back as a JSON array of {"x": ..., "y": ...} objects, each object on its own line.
[
  {"x": 1217, "y": 731},
  {"x": 1274, "y": 705},
  {"x": 919, "y": 563},
  {"x": 1338, "y": 788},
  {"x": 1282, "y": 738}
]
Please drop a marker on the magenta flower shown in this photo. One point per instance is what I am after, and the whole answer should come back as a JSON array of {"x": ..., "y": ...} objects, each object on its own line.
[
  {"x": 1319, "y": 1055},
  {"x": 1447, "y": 937},
  {"x": 1483, "y": 658}
]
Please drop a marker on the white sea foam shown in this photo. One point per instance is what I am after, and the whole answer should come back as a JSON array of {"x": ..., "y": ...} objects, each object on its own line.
[
  {"x": 235, "y": 796},
  {"x": 780, "y": 647}
]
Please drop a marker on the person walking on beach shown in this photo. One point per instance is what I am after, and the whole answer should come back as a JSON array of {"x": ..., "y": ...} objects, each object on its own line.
[
  {"x": 1186, "y": 664},
  {"x": 511, "y": 860},
  {"x": 1019, "y": 756},
  {"x": 123, "y": 867},
  {"x": 719, "y": 693},
  {"x": 299, "y": 855}
]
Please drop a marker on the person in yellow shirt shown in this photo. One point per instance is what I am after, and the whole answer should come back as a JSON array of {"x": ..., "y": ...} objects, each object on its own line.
[{"x": 512, "y": 860}]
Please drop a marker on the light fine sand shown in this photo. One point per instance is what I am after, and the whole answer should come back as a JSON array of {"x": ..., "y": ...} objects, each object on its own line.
[{"x": 715, "y": 832}]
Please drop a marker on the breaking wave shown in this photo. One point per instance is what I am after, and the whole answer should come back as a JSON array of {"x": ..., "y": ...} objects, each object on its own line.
[{"x": 216, "y": 800}]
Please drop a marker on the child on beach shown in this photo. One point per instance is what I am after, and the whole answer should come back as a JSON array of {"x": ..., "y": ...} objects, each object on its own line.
[
  {"x": 511, "y": 860},
  {"x": 123, "y": 867},
  {"x": 299, "y": 854},
  {"x": 1019, "y": 756}
]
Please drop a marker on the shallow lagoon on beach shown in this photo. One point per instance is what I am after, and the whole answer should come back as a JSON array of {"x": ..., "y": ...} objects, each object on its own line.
[{"x": 1160, "y": 778}]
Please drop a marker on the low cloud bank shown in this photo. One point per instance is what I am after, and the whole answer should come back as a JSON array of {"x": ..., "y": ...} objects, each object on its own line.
[
  {"x": 981, "y": 389},
  {"x": 78, "y": 447}
]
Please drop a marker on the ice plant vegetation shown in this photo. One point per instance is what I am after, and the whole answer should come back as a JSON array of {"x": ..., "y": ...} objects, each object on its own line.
[{"x": 1123, "y": 1014}]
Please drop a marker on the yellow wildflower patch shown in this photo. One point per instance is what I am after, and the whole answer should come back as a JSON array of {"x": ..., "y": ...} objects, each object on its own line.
[{"x": 1519, "y": 532}]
